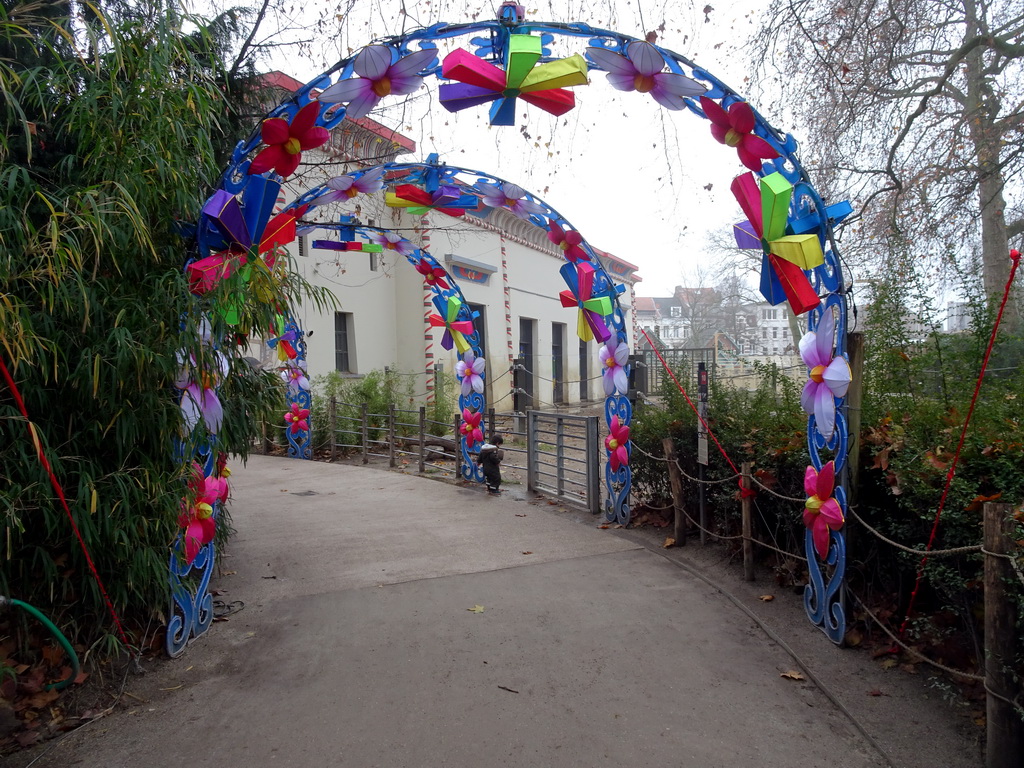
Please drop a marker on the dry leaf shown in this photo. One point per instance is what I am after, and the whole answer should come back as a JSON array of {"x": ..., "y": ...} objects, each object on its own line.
[
  {"x": 229, "y": 573},
  {"x": 669, "y": 542},
  {"x": 877, "y": 692},
  {"x": 604, "y": 527},
  {"x": 766, "y": 598},
  {"x": 518, "y": 515},
  {"x": 792, "y": 675},
  {"x": 527, "y": 552},
  {"x": 476, "y": 609},
  {"x": 889, "y": 663}
]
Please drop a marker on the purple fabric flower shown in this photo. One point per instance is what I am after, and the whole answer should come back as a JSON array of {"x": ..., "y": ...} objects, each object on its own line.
[
  {"x": 470, "y": 371},
  {"x": 829, "y": 377},
  {"x": 613, "y": 357},
  {"x": 347, "y": 187},
  {"x": 378, "y": 78},
  {"x": 509, "y": 196},
  {"x": 199, "y": 394},
  {"x": 294, "y": 375},
  {"x": 392, "y": 242},
  {"x": 641, "y": 70}
]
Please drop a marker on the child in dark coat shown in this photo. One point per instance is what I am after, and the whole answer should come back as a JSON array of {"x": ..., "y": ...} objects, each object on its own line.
[{"x": 490, "y": 458}]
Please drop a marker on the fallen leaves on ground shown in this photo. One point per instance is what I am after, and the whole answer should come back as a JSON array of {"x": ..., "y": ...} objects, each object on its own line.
[
  {"x": 766, "y": 598},
  {"x": 527, "y": 552},
  {"x": 792, "y": 674},
  {"x": 476, "y": 609},
  {"x": 877, "y": 692},
  {"x": 669, "y": 542}
]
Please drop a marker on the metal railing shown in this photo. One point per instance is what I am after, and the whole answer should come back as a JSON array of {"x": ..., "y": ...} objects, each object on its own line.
[{"x": 563, "y": 458}]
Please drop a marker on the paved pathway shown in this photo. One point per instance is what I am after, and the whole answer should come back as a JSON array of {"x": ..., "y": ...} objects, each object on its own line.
[{"x": 356, "y": 647}]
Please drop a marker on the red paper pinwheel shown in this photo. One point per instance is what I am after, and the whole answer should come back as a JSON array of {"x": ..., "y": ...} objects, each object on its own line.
[
  {"x": 593, "y": 309},
  {"x": 446, "y": 199},
  {"x": 734, "y": 129},
  {"x": 287, "y": 141},
  {"x": 455, "y": 330}
]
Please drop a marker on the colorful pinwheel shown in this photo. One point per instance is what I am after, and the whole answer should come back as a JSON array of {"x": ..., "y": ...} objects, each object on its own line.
[
  {"x": 433, "y": 275},
  {"x": 446, "y": 198},
  {"x": 377, "y": 78},
  {"x": 455, "y": 330},
  {"x": 470, "y": 427},
  {"x": 568, "y": 240},
  {"x": 294, "y": 375},
  {"x": 246, "y": 230},
  {"x": 822, "y": 513},
  {"x": 508, "y": 196},
  {"x": 735, "y": 129},
  {"x": 347, "y": 187},
  {"x": 283, "y": 342},
  {"x": 389, "y": 241},
  {"x": 470, "y": 371},
  {"x": 617, "y": 443},
  {"x": 829, "y": 376},
  {"x": 199, "y": 394},
  {"x": 592, "y": 309},
  {"x": 785, "y": 257},
  {"x": 641, "y": 70},
  {"x": 287, "y": 141},
  {"x": 542, "y": 86},
  {"x": 614, "y": 356},
  {"x": 298, "y": 418}
]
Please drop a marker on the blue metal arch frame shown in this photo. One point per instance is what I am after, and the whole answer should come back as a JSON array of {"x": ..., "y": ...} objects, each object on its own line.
[{"x": 823, "y": 599}]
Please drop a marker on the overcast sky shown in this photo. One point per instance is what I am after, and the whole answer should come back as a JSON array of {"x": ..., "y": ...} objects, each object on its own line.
[{"x": 637, "y": 180}]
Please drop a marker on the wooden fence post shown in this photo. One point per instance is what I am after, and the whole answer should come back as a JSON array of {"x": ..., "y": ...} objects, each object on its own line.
[
  {"x": 676, "y": 481},
  {"x": 366, "y": 434},
  {"x": 854, "y": 401},
  {"x": 1005, "y": 730},
  {"x": 391, "y": 435},
  {"x": 423, "y": 439},
  {"x": 746, "y": 503},
  {"x": 333, "y": 427}
]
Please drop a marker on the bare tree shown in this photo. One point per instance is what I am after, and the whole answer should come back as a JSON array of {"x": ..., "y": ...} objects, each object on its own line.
[{"x": 916, "y": 111}]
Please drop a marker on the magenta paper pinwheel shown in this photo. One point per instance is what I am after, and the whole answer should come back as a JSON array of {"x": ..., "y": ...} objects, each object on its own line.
[
  {"x": 592, "y": 309},
  {"x": 470, "y": 371},
  {"x": 617, "y": 443},
  {"x": 432, "y": 276},
  {"x": 509, "y": 196},
  {"x": 735, "y": 129},
  {"x": 294, "y": 375},
  {"x": 199, "y": 394},
  {"x": 377, "y": 78},
  {"x": 480, "y": 82},
  {"x": 822, "y": 512},
  {"x": 641, "y": 70},
  {"x": 447, "y": 199},
  {"x": 287, "y": 141},
  {"x": 470, "y": 427},
  {"x": 347, "y": 187},
  {"x": 614, "y": 355},
  {"x": 455, "y": 330},
  {"x": 298, "y": 418},
  {"x": 568, "y": 240},
  {"x": 829, "y": 376},
  {"x": 389, "y": 241}
]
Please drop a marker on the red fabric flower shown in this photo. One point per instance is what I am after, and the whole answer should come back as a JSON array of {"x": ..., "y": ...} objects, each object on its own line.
[
  {"x": 568, "y": 240},
  {"x": 617, "y": 444},
  {"x": 431, "y": 274},
  {"x": 298, "y": 418},
  {"x": 286, "y": 142},
  {"x": 822, "y": 512},
  {"x": 470, "y": 427},
  {"x": 734, "y": 129}
]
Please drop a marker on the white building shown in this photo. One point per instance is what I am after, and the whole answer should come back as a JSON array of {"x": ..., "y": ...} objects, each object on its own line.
[{"x": 506, "y": 268}]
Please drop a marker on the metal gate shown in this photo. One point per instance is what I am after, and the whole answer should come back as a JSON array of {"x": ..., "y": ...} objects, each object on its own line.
[{"x": 563, "y": 458}]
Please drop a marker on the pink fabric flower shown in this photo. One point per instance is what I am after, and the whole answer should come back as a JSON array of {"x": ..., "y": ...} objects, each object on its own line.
[
  {"x": 298, "y": 418},
  {"x": 508, "y": 196},
  {"x": 470, "y": 427},
  {"x": 641, "y": 70},
  {"x": 735, "y": 129},
  {"x": 347, "y": 187},
  {"x": 197, "y": 515},
  {"x": 469, "y": 371},
  {"x": 829, "y": 377},
  {"x": 378, "y": 78},
  {"x": 822, "y": 512},
  {"x": 432, "y": 276},
  {"x": 617, "y": 443},
  {"x": 614, "y": 356},
  {"x": 392, "y": 242},
  {"x": 568, "y": 240},
  {"x": 286, "y": 142}
]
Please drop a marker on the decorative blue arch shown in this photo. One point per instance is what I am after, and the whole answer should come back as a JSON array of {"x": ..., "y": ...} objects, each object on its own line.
[{"x": 787, "y": 218}]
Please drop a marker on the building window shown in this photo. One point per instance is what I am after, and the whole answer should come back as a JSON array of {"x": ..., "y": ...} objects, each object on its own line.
[
  {"x": 775, "y": 333},
  {"x": 764, "y": 333},
  {"x": 676, "y": 311},
  {"x": 343, "y": 352},
  {"x": 785, "y": 333}
]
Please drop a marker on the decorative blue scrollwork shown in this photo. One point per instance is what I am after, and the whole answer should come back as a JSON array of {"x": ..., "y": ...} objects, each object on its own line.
[
  {"x": 191, "y": 608},
  {"x": 823, "y": 595}
]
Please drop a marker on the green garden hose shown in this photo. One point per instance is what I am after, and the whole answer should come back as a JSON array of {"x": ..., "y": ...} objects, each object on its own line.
[{"x": 61, "y": 685}]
